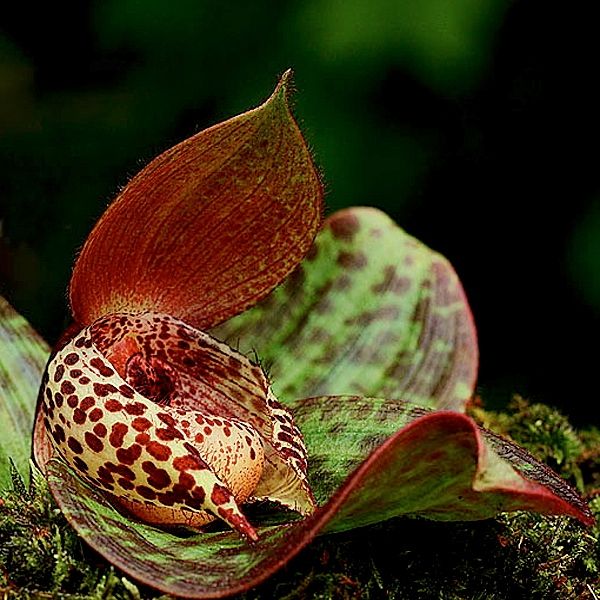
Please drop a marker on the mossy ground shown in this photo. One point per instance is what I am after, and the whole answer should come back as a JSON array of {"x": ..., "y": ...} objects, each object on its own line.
[{"x": 515, "y": 556}]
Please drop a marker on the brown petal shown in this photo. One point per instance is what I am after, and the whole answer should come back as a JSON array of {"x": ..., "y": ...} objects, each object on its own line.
[{"x": 209, "y": 227}]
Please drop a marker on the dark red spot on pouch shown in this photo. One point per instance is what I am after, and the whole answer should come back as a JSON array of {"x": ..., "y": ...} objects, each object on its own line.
[
  {"x": 166, "y": 499},
  {"x": 199, "y": 494},
  {"x": 352, "y": 260},
  {"x": 185, "y": 463},
  {"x": 126, "y": 391},
  {"x": 158, "y": 450},
  {"x": 129, "y": 455},
  {"x": 169, "y": 434},
  {"x": 100, "y": 429},
  {"x": 117, "y": 434},
  {"x": 187, "y": 480},
  {"x": 71, "y": 359},
  {"x": 59, "y": 434},
  {"x": 75, "y": 445},
  {"x": 141, "y": 424},
  {"x": 167, "y": 419},
  {"x": 158, "y": 478},
  {"x": 193, "y": 502},
  {"x": 142, "y": 438},
  {"x": 135, "y": 408},
  {"x": 125, "y": 484},
  {"x": 101, "y": 367},
  {"x": 220, "y": 494},
  {"x": 67, "y": 388},
  {"x": 80, "y": 464},
  {"x": 113, "y": 405},
  {"x": 344, "y": 225},
  {"x": 94, "y": 442},
  {"x": 95, "y": 415},
  {"x": 79, "y": 416},
  {"x": 58, "y": 374},
  {"x": 105, "y": 474},
  {"x": 104, "y": 389},
  {"x": 184, "y": 333},
  {"x": 146, "y": 492},
  {"x": 122, "y": 470},
  {"x": 87, "y": 402}
]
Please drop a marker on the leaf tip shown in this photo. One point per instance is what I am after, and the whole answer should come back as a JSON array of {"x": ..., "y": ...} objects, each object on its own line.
[
  {"x": 279, "y": 99},
  {"x": 285, "y": 84},
  {"x": 286, "y": 79}
]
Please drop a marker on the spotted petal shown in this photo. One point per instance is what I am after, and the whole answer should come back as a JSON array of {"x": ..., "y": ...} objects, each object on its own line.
[
  {"x": 371, "y": 311},
  {"x": 175, "y": 426},
  {"x": 209, "y": 227}
]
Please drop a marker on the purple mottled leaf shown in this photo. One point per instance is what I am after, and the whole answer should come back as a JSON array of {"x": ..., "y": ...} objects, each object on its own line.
[{"x": 370, "y": 311}]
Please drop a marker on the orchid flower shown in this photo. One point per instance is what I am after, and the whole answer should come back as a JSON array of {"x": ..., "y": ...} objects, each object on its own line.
[{"x": 154, "y": 413}]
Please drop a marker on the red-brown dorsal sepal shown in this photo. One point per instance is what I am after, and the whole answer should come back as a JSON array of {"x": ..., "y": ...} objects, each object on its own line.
[{"x": 209, "y": 227}]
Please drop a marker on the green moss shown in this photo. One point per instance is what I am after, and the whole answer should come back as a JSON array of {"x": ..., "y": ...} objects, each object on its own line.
[
  {"x": 589, "y": 461},
  {"x": 41, "y": 556},
  {"x": 553, "y": 556},
  {"x": 515, "y": 556}
]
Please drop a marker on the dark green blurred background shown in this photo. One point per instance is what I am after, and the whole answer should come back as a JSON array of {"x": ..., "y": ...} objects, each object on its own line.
[{"x": 474, "y": 123}]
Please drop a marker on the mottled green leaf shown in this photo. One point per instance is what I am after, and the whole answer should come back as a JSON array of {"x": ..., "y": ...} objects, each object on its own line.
[
  {"x": 23, "y": 356},
  {"x": 434, "y": 464},
  {"x": 370, "y": 311}
]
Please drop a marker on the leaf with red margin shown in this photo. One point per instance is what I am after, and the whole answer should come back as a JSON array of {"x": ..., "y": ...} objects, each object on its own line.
[
  {"x": 23, "y": 356},
  {"x": 471, "y": 473},
  {"x": 209, "y": 227},
  {"x": 438, "y": 465},
  {"x": 370, "y": 311}
]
